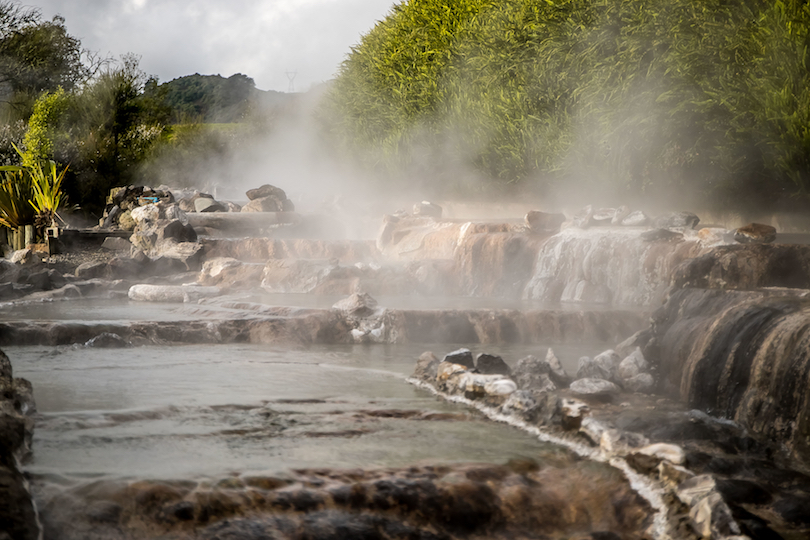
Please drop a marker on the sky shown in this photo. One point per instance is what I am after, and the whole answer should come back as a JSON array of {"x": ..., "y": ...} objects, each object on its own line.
[{"x": 268, "y": 40}]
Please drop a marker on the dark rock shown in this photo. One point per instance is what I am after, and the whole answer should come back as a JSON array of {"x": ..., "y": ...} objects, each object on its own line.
[
  {"x": 532, "y": 373},
  {"x": 543, "y": 222},
  {"x": 755, "y": 233},
  {"x": 461, "y": 357},
  {"x": 204, "y": 204},
  {"x": 104, "y": 512},
  {"x": 426, "y": 367},
  {"x": 178, "y": 231},
  {"x": 91, "y": 270},
  {"x": 491, "y": 364},
  {"x": 794, "y": 509},
  {"x": 41, "y": 280}
]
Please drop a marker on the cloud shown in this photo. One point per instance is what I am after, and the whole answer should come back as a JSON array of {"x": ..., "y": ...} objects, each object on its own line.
[{"x": 259, "y": 38}]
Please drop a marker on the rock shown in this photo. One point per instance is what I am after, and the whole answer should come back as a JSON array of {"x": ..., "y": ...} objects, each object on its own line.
[
  {"x": 203, "y": 204},
  {"x": 187, "y": 254},
  {"x": 673, "y": 475},
  {"x": 461, "y": 357},
  {"x": 491, "y": 364},
  {"x": 522, "y": 404},
  {"x": 632, "y": 365},
  {"x": 171, "y": 293},
  {"x": 230, "y": 273},
  {"x": 661, "y": 235},
  {"x": 572, "y": 413},
  {"x": 603, "y": 366},
  {"x": 41, "y": 280},
  {"x": 543, "y": 222},
  {"x": 147, "y": 213},
  {"x": 712, "y": 518},
  {"x": 232, "y": 206},
  {"x": 91, "y": 270},
  {"x": 126, "y": 222},
  {"x": 266, "y": 190},
  {"x": 637, "y": 340},
  {"x": 714, "y": 236},
  {"x": 755, "y": 233},
  {"x": 546, "y": 375},
  {"x": 692, "y": 490},
  {"x": 427, "y": 367},
  {"x": 357, "y": 305},
  {"x": 499, "y": 388},
  {"x": 618, "y": 442},
  {"x": 268, "y": 204},
  {"x": 173, "y": 212},
  {"x": 25, "y": 257},
  {"x": 603, "y": 216},
  {"x": 677, "y": 220},
  {"x": 107, "y": 340},
  {"x": 448, "y": 377},
  {"x": 643, "y": 382},
  {"x": 175, "y": 230},
  {"x": 664, "y": 451},
  {"x": 582, "y": 218},
  {"x": 427, "y": 208},
  {"x": 635, "y": 219},
  {"x": 593, "y": 429},
  {"x": 111, "y": 218},
  {"x": 115, "y": 243},
  {"x": 594, "y": 387},
  {"x": 621, "y": 213}
]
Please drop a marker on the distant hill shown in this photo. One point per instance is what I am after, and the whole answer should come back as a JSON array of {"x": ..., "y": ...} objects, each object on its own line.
[{"x": 216, "y": 99}]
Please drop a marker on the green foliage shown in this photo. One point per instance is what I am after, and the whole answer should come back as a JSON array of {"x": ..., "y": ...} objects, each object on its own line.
[
  {"x": 663, "y": 97},
  {"x": 35, "y": 56},
  {"x": 46, "y": 181},
  {"x": 16, "y": 193},
  {"x": 214, "y": 99},
  {"x": 38, "y": 141}
]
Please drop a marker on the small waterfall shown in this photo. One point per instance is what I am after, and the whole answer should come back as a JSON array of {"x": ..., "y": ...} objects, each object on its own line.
[{"x": 611, "y": 265}]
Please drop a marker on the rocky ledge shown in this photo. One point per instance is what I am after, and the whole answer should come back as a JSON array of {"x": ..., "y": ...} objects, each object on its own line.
[
  {"x": 18, "y": 517},
  {"x": 571, "y": 499},
  {"x": 715, "y": 479}
]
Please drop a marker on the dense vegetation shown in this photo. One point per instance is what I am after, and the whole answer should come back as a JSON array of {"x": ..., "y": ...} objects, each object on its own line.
[
  {"x": 215, "y": 99},
  {"x": 84, "y": 124},
  {"x": 709, "y": 98}
]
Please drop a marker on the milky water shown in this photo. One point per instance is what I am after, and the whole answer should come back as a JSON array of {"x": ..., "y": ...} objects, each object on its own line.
[{"x": 197, "y": 411}]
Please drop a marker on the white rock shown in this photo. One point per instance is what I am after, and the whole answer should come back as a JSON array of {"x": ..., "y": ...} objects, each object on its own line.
[
  {"x": 149, "y": 212},
  {"x": 618, "y": 442},
  {"x": 643, "y": 382},
  {"x": 501, "y": 387},
  {"x": 592, "y": 386},
  {"x": 171, "y": 293},
  {"x": 633, "y": 364},
  {"x": 670, "y": 452},
  {"x": 593, "y": 429},
  {"x": 694, "y": 489}
]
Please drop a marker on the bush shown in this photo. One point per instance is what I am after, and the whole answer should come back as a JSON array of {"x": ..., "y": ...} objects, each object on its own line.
[{"x": 656, "y": 97}]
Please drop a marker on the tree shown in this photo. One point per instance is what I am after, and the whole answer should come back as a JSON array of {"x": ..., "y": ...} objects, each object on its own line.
[{"x": 36, "y": 56}]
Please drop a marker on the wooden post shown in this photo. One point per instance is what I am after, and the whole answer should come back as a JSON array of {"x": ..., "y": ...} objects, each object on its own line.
[{"x": 29, "y": 236}]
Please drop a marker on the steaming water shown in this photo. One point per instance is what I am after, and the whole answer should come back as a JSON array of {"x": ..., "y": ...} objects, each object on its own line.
[
  {"x": 106, "y": 310},
  {"x": 193, "y": 411}
]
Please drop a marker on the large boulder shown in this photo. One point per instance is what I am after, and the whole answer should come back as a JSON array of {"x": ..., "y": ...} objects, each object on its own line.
[{"x": 755, "y": 233}]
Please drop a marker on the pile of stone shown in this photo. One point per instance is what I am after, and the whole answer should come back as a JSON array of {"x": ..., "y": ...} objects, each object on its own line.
[
  {"x": 123, "y": 200},
  {"x": 537, "y": 391}
]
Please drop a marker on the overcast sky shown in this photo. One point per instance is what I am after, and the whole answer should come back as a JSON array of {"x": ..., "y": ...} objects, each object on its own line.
[{"x": 263, "y": 39}]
